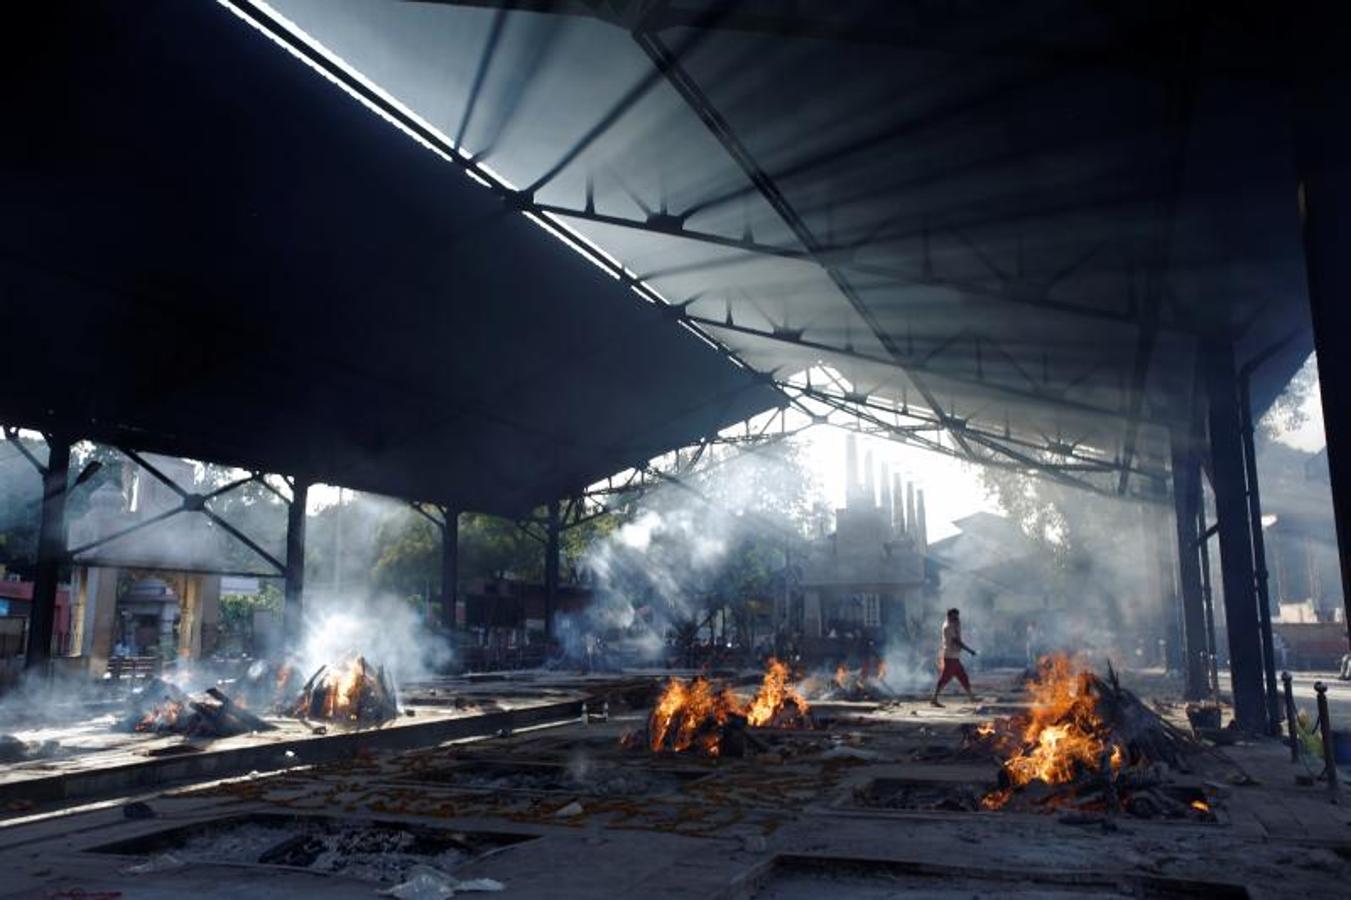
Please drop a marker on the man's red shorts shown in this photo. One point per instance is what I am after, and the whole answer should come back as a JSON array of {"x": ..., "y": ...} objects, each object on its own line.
[{"x": 953, "y": 668}]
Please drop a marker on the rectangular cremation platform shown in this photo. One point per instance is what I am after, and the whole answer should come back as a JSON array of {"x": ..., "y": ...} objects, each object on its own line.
[
  {"x": 807, "y": 877},
  {"x": 143, "y": 762},
  {"x": 372, "y": 850}
]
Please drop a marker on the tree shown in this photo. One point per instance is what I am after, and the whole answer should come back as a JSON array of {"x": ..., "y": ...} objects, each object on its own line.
[
  {"x": 20, "y": 503},
  {"x": 1289, "y": 411}
]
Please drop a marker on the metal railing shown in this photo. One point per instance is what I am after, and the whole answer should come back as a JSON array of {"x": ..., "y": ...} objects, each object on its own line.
[{"x": 1322, "y": 728}]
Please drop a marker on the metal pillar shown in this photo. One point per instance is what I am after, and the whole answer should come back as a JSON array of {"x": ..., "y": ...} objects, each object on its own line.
[
  {"x": 293, "y": 605},
  {"x": 450, "y": 565},
  {"x": 1186, "y": 503},
  {"x": 1208, "y": 597},
  {"x": 551, "y": 570},
  {"x": 51, "y": 553},
  {"x": 1259, "y": 554},
  {"x": 1236, "y": 570},
  {"x": 1154, "y": 527},
  {"x": 1323, "y": 151}
]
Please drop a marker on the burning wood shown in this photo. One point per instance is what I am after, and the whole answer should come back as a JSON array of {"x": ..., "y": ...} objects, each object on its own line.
[
  {"x": 353, "y": 692},
  {"x": 696, "y": 715},
  {"x": 865, "y": 684},
  {"x": 162, "y": 708},
  {"x": 1085, "y": 744}
]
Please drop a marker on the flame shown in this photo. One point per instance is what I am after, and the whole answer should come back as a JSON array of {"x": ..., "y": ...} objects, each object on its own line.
[
  {"x": 161, "y": 717},
  {"x": 348, "y": 692},
  {"x": 1200, "y": 806},
  {"x": 687, "y": 708},
  {"x": 848, "y": 681},
  {"x": 774, "y": 696},
  {"x": 692, "y": 714},
  {"x": 1063, "y": 733}
]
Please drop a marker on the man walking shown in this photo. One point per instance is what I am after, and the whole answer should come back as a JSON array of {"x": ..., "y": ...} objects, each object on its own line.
[{"x": 951, "y": 661}]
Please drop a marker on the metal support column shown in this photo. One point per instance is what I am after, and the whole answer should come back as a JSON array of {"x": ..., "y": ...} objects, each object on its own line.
[
  {"x": 1186, "y": 502},
  {"x": 551, "y": 570},
  {"x": 293, "y": 607},
  {"x": 450, "y": 565},
  {"x": 1163, "y": 589},
  {"x": 1208, "y": 597},
  {"x": 51, "y": 553},
  {"x": 1323, "y": 151},
  {"x": 1259, "y": 554},
  {"x": 1236, "y": 570}
]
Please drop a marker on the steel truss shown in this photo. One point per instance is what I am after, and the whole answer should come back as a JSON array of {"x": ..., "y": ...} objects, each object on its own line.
[
  {"x": 190, "y": 502},
  {"x": 967, "y": 441}
]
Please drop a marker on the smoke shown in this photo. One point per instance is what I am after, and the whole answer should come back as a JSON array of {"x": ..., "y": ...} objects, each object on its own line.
[
  {"x": 35, "y": 701},
  {"x": 910, "y": 669},
  {"x": 386, "y": 630},
  {"x": 711, "y": 538}
]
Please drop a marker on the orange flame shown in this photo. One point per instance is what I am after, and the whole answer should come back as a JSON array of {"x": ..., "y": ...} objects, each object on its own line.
[
  {"x": 686, "y": 709},
  {"x": 162, "y": 716},
  {"x": 348, "y": 693},
  {"x": 691, "y": 714},
  {"x": 1063, "y": 735},
  {"x": 774, "y": 696}
]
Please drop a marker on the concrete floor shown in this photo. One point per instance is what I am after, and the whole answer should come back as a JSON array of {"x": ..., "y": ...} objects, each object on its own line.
[{"x": 593, "y": 819}]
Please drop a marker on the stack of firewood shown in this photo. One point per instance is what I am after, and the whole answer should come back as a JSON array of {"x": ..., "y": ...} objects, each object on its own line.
[{"x": 163, "y": 708}]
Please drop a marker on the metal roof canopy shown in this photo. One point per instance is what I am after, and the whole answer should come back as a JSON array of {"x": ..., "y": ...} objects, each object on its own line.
[
  {"x": 1015, "y": 222},
  {"x": 207, "y": 250}
]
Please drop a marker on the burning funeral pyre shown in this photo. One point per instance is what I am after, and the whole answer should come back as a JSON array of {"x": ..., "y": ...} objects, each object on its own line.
[
  {"x": 352, "y": 692},
  {"x": 1086, "y": 744},
  {"x": 696, "y": 715},
  {"x": 866, "y": 683},
  {"x": 162, "y": 708}
]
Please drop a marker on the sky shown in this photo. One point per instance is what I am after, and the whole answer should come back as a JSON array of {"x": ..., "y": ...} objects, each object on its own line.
[
  {"x": 1310, "y": 436},
  {"x": 951, "y": 488}
]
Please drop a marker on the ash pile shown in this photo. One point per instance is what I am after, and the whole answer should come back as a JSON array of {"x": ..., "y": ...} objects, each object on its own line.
[
  {"x": 1088, "y": 745},
  {"x": 701, "y": 717},
  {"x": 16, "y": 750},
  {"x": 377, "y": 853}
]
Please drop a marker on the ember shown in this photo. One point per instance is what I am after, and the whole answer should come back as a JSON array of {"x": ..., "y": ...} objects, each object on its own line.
[
  {"x": 696, "y": 715},
  {"x": 1086, "y": 743},
  {"x": 867, "y": 683},
  {"x": 353, "y": 692},
  {"x": 161, "y": 708}
]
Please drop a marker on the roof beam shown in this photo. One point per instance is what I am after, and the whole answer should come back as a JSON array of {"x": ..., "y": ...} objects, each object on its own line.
[
  {"x": 837, "y": 258},
  {"x": 669, "y": 65},
  {"x": 795, "y": 339}
]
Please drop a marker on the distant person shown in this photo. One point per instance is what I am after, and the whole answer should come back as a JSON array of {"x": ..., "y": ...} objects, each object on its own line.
[{"x": 951, "y": 661}]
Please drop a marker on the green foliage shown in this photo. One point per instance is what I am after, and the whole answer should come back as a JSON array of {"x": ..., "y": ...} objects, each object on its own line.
[
  {"x": 1289, "y": 410},
  {"x": 409, "y": 554},
  {"x": 20, "y": 498},
  {"x": 236, "y": 610}
]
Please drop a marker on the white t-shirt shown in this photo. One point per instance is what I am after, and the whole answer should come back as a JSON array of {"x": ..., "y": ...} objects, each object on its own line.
[{"x": 952, "y": 639}]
